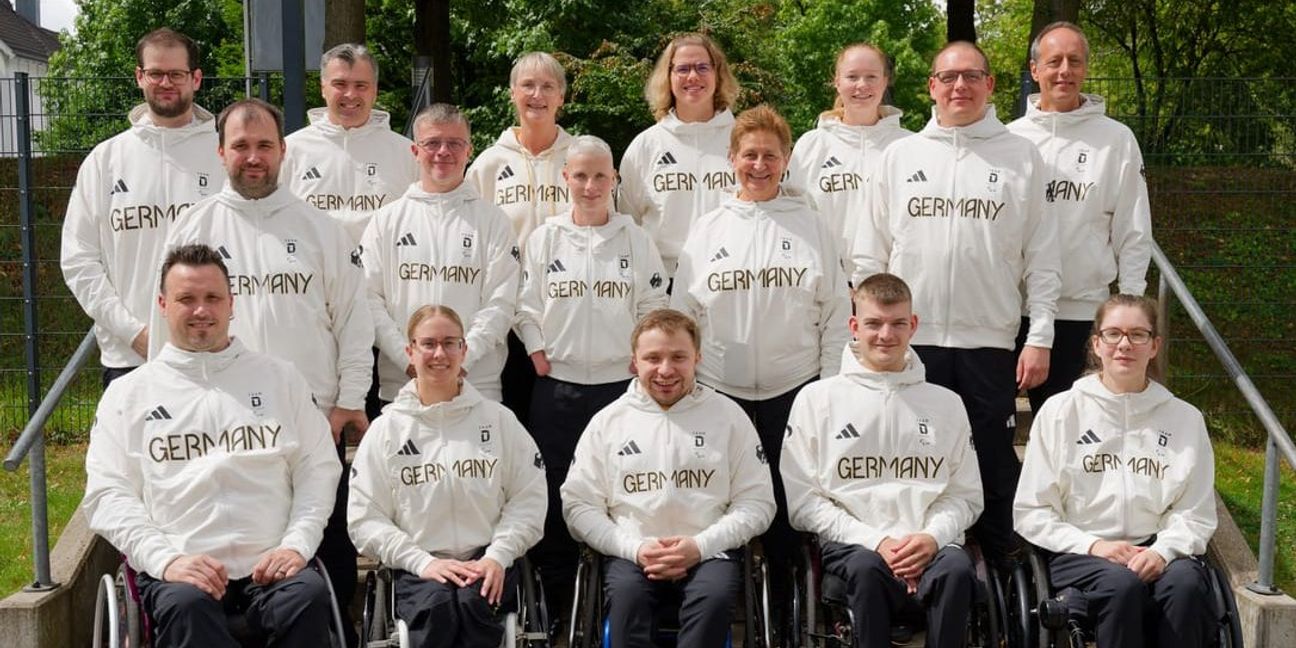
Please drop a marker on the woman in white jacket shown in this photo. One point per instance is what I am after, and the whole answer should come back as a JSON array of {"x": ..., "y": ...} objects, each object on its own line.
[
  {"x": 1117, "y": 488},
  {"x": 833, "y": 163},
  {"x": 588, "y": 276},
  {"x": 447, "y": 489},
  {"x": 678, "y": 169}
]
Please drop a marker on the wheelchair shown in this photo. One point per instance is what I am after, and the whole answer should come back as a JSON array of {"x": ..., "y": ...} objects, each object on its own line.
[
  {"x": 527, "y": 627},
  {"x": 590, "y": 627},
  {"x": 1040, "y": 619},
  {"x": 120, "y": 620},
  {"x": 822, "y": 618}
]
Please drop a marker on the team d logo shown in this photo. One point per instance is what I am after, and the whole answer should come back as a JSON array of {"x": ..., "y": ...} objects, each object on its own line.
[
  {"x": 203, "y": 180},
  {"x": 371, "y": 169},
  {"x": 290, "y": 245}
]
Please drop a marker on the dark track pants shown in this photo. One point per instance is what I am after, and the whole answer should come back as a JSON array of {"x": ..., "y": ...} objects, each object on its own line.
[
  {"x": 1173, "y": 611},
  {"x": 986, "y": 381},
  {"x": 113, "y": 373},
  {"x": 338, "y": 553},
  {"x": 707, "y": 597},
  {"x": 517, "y": 379},
  {"x": 292, "y": 613},
  {"x": 945, "y": 590},
  {"x": 443, "y": 615},
  {"x": 1066, "y": 358}
]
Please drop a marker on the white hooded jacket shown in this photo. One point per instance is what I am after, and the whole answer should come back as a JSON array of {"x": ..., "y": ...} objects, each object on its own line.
[
  {"x": 833, "y": 164},
  {"x": 452, "y": 249},
  {"x": 349, "y": 172},
  {"x": 128, "y": 193},
  {"x": 674, "y": 172},
  {"x": 1097, "y": 195},
  {"x": 641, "y": 472},
  {"x": 219, "y": 453},
  {"x": 529, "y": 188},
  {"x": 445, "y": 481},
  {"x": 958, "y": 213},
  {"x": 871, "y": 455},
  {"x": 1105, "y": 466},
  {"x": 297, "y": 285},
  {"x": 764, "y": 283},
  {"x": 583, "y": 290}
]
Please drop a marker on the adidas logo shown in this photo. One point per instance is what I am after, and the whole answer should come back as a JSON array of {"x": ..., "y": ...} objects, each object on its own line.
[
  {"x": 408, "y": 239},
  {"x": 118, "y": 187},
  {"x": 665, "y": 159},
  {"x": 631, "y": 448},
  {"x": 408, "y": 450},
  {"x": 722, "y": 254},
  {"x": 311, "y": 174},
  {"x": 1088, "y": 438},
  {"x": 831, "y": 162},
  {"x": 918, "y": 177},
  {"x": 848, "y": 432},
  {"x": 158, "y": 413},
  {"x": 557, "y": 266},
  {"x": 224, "y": 254},
  {"x": 505, "y": 174}
]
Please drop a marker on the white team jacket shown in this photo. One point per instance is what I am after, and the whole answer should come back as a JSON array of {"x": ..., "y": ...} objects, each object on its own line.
[
  {"x": 583, "y": 290},
  {"x": 958, "y": 213},
  {"x": 444, "y": 481},
  {"x": 217, "y": 453},
  {"x": 529, "y": 188},
  {"x": 349, "y": 173},
  {"x": 641, "y": 472},
  {"x": 672, "y": 174},
  {"x": 764, "y": 283},
  {"x": 452, "y": 249},
  {"x": 834, "y": 165},
  {"x": 128, "y": 192},
  {"x": 874, "y": 455},
  {"x": 298, "y": 290},
  {"x": 1104, "y": 466},
  {"x": 1097, "y": 195}
]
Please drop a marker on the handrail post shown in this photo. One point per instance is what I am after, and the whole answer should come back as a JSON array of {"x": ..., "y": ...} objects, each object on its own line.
[
  {"x": 1264, "y": 583},
  {"x": 1161, "y": 368}
]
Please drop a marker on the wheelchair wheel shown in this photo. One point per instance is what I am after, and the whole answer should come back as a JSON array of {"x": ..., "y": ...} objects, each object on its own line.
[
  {"x": 1229, "y": 634},
  {"x": 375, "y": 617},
  {"x": 758, "y": 630},
  {"x": 533, "y": 613},
  {"x": 584, "y": 611},
  {"x": 803, "y": 603},
  {"x": 1023, "y": 628},
  {"x": 108, "y": 630},
  {"x": 987, "y": 620},
  {"x": 129, "y": 604}
]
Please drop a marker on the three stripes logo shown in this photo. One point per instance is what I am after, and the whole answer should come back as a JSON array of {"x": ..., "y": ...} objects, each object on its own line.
[
  {"x": 505, "y": 174},
  {"x": 918, "y": 177},
  {"x": 158, "y": 413},
  {"x": 407, "y": 239},
  {"x": 1088, "y": 438},
  {"x": 848, "y": 432},
  {"x": 118, "y": 187},
  {"x": 831, "y": 162},
  {"x": 224, "y": 254},
  {"x": 408, "y": 450},
  {"x": 722, "y": 254},
  {"x": 311, "y": 174},
  {"x": 629, "y": 449},
  {"x": 665, "y": 159},
  {"x": 557, "y": 266}
]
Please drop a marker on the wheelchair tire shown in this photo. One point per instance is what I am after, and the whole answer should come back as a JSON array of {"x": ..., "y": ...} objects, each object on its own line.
[
  {"x": 129, "y": 604},
  {"x": 584, "y": 611},
  {"x": 1230, "y": 626},
  {"x": 533, "y": 614},
  {"x": 1023, "y": 629}
]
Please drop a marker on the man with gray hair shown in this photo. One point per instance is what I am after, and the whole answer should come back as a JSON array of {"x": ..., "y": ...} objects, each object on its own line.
[
  {"x": 348, "y": 162},
  {"x": 441, "y": 243}
]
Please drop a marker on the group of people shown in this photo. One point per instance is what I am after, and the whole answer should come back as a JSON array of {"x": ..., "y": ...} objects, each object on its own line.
[{"x": 498, "y": 336}]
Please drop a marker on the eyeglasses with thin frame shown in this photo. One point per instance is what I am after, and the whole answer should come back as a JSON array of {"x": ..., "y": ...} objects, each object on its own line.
[
  {"x": 176, "y": 77},
  {"x": 453, "y": 144},
  {"x": 948, "y": 77},
  {"x": 1136, "y": 337},
  {"x": 684, "y": 69},
  {"x": 449, "y": 345}
]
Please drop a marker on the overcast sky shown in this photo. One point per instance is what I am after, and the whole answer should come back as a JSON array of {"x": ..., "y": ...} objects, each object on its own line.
[{"x": 57, "y": 14}]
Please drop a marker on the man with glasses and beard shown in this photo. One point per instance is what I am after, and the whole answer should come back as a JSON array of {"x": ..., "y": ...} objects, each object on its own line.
[{"x": 128, "y": 192}]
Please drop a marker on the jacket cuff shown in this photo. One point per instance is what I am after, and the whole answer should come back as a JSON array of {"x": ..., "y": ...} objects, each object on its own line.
[
  {"x": 531, "y": 337},
  {"x": 494, "y": 552}
]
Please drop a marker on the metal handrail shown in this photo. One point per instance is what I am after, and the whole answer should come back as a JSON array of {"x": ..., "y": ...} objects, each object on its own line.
[
  {"x": 1279, "y": 440},
  {"x": 421, "y": 99}
]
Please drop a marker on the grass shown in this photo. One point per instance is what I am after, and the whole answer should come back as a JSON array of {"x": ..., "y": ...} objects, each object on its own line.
[
  {"x": 65, "y": 476},
  {"x": 1239, "y": 478}
]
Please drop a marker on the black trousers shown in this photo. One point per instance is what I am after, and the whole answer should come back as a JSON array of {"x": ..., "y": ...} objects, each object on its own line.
[
  {"x": 1173, "y": 611},
  {"x": 113, "y": 373},
  {"x": 292, "y": 613},
  {"x": 986, "y": 381},
  {"x": 1066, "y": 358},
  {"x": 446, "y": 615},
  {"x": 559, "y": 413},
  {"x": 945, "y": 590},
  {"x": 706, "y": 595},
  {"x": 518, "y": 379},
  {"x": 338, "y": 553}
]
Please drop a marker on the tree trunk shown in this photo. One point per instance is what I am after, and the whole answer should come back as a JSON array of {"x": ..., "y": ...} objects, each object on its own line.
[
  {"x": 432, "y": 48},
  {"x": 343, "y": 22},
  {"x": 960, "y": 24}
]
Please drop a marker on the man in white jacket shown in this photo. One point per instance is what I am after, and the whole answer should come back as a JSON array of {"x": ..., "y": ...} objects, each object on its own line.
[
  {"x": 1095, "y": 193},
  {"x": 348, "y": 162},
  {"x": 878, "y": 463},
  {"x": 300, "y": 287},
  {"x": 441, "y": 243},
  {"x": 129, "y": 191},
  {"x": 958, "y": 214},
  {"x": 211, "y": 469},
  {"x": 669, "y": 483}
]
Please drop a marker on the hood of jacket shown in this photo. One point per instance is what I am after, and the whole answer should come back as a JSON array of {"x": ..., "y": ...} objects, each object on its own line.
[
  {"x": 788, "y": 201},
  {"x": 1135, "y": 403},
  {"x": 437, "y": 414},
  {"x": 378, "y": 120},
  {"x": 723, "y": 121},
  {"x": 913, "y": 373},
  {"x": 639, "y": 399},
  {"x": 581, "y": 235},
  {"x": 142, "y": 124},
  {"x": 463, "y": 194},
  {"x": 279, "y": 200},
  {"x": 200, "y": 364},
  {"x": 1091, "y": 105},
  {"x": 509, "y": 140},
  {"x": 856, "y": 136},
  {"x": 983, "y": 129}
]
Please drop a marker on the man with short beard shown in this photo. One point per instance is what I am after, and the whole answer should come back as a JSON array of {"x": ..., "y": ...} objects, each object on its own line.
[
  {"x": 297, "y": 277},
  {"x": 128, "y": 192}
]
